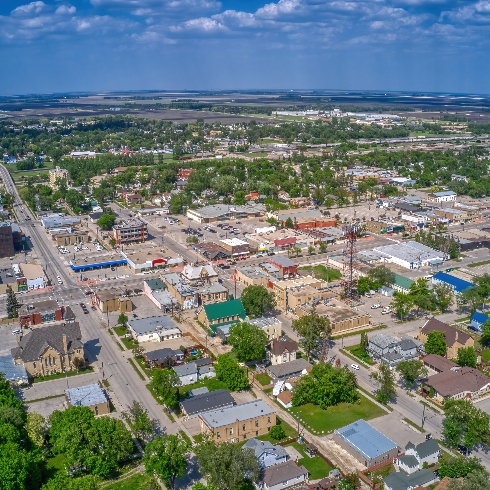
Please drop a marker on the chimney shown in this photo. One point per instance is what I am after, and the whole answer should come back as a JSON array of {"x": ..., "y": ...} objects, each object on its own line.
[{"x": 65, "y": 344}]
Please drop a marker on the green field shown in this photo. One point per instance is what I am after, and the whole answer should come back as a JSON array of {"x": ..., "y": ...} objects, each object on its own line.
[
  {"x": 317, "y": 467},
  {"x": 321, "y": 272},
  {"x": 131, "y": 483},
  {"x": 334, "y": 417},
  {"x": 485, "y": 354}
]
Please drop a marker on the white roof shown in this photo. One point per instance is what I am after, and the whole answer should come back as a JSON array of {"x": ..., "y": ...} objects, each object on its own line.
[{"x": 234, "y": 242}]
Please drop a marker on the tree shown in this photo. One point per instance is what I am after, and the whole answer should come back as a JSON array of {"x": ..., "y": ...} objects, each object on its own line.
[
  {"x": 485, "y": 337},
  {"x": 248, "y": 341},
  {"x": 364, "y": 343},
  {"x": 364, "y": 285},
  {"x": 289, "y": 223},
  {"x": 227, "y": 465},
  {"x": 411, "y": 371},
  {"x": 476, "y": 480},
  {"x": 166, "y": 457},
  {"x": 36, "y": 428},
  {"x": 382, "y": 276},
  {"x": 459, "y": 467},
  {"x": 106, "y": 221},
  {"x": 122, "y": 319},
  {"x": 467, "y": 357},
  {"x": 464, "y": 424},
  {"x": 322, "y": 246},
  {"x": 444, "y": 294},
  {"x": 12, "y": 303},
  {"x": 257, "y": 300},
  {"x": 472, "y": 298},
  {"x": 201, "y": 486},
  {"x": 165, "y": 383},
  {"x": 192, "y": 239},
  {"x": 239, "y": 198},
  {"x": 63, "y": 481},
  {"x": 313, "y": 329},
  {"x": 402, "y": 304},
  {"x": 138, "y": 350},
  {"x": 138, "y": 419},
  {"x": 436, "y": 343},
  {"x": 385, "y": 379},
  {"x": 311, "y": 249},
  {"x": 112, "y": 242},
  {"x": 231, "y": 373},
  {"x": 277, "y": 433}
]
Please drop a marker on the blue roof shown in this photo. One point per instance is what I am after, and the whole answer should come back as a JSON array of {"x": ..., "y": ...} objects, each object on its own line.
[
  {"x": 479, "y": 318},
  {"x": 110, "y": 263},
  {"x": 366, "y": 439},
  {"x": 458, "y": 284}
]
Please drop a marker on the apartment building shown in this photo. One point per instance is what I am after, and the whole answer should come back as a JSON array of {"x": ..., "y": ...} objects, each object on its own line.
[
  {"x": 129, "y": 230},
  {"x": 58, "y": 173}
]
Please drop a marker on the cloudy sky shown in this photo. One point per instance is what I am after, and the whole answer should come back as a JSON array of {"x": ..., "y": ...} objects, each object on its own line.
[{"x": 94, "y": 45}]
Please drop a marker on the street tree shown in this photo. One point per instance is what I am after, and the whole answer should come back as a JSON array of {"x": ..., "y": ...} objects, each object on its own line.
[
  {"x": 313, "y": 329},
  {"x": 192, "y": 239},
  {"x": 485, "y": 337},
  {"x": 467, "y": 357},
  {"x": 472, "y": 298},
  {"x": 411, "y": 371},
  {"x": 385, "y": 379},
  {"x": 106, "y": 221},
  {"x": 464, "y": 424},
  {"x": 167, "y": 457},
  {"x": 231, "y": 373},
  {"x": 257, "y": 300},
  {"x": 436, "y": 343},
  {"x": 289, "y": 223},
  {"x": 140, "y": 422},
  {"x": 382, "y": 276},
  {"x": 138, "y": 350},
  {"x": 476, "y": 480},
  {"x": 12, "y": 303},
  {"x": 444, "y": 295},
  {"x": 459, "y": 467},
  {"x": 165, "y": 383},
  {"x": 248, "y": 341},
  {"x": 227, "y": 465},
  {"x": 402, "y": 304},
  {"x": 122, "y": 319}
]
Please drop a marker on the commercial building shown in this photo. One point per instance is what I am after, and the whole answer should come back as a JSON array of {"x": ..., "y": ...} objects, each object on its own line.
[
  {"x": 458, "y": 285},
  {"x": 40, "y": 312},
  {"x": 286, "y": 266},
  {"x": 149, "y": 258},
  {"x": 6, "y": 241},
  {"x": 185, "y": 295},
  {"x": 91, "y": 396},
  {"x": 252, "y": 276},
  {"x": 238, "y": 423},
  {"x": 60, "y": 175},
  {"x": 369, "y": 446},
  {"x": 410, "y": 254},
  {"x": 157, "y": 292},
  {"x": 458, "y": 383},
  {"x": 281, "y": 476},
  {"x": 402, "y": 284},
  {"x": 342, "y": 318},
  {"x": 63, "y": 239},
  {"x": 272, "y": 326},
  {"x": 32, "y": 275},
  {"x": 302, "y": 219},
  {"x": 455, "y": 339},
  {"x": 129, "y": 230},
  {"x": 112, "y": 300},
  {"x": 235, "y": 247},
  {"x": 205, "y": 402},
  {"x": 58, "y": 221},
  {"x": 217, "y": 314},
  {"x": 51, "y": 349},
  {"x": 292, "y": 293},
  {"x": 153, "y": 329},
  {"x": 224, "y": 212},
  {"x": 97, "y": 262},
  {"x": 14, "y": 373},
  {"x": 438, "y": 363},
  {"x": 445, "y": 196},
  {"x": 205, "y": 273}
]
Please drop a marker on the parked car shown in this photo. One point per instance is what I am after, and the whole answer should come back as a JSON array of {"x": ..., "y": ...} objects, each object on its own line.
[
  {"x": 386, "y": 311},
  {"x": 89, "y": 292},
  {"x": 376, "y": 306},
  {"x": 355, "y": 366},
  {"x": 17, "y": 331},
  {"x": 93, "y": 307}
]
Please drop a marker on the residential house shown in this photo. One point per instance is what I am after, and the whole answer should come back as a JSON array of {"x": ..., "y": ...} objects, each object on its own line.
[
  {"x": 238, "y": 423},
  {"x": 478, "y": 319},
  {"x": 91, "y": 396},
  {"x": 279, "y": 352},
  {"x": 445, "y": 196},
  {"x": 153, "y": 329},
  {"x": 217, "y": 314},
  {"x": 285, "y": 398},
  {"x": 455, "y": 339},
  {"x": 291, "y": 369},
  {"x": 381, "y": 344},
  {"x": 136, "y": 198},
  {"x": 401, "y": 481},
  {"x": 163, "y": 357},
  {"x": 402, "y": 284},
  {"x": 416, "y": 456},
  {"x": 267, "y": 454},
  {"x": 213, "y": 400},
  {"x": 284, "y": 475},
  {"x": 52, "y": 349},
  {"x": 193, "y": 371}
]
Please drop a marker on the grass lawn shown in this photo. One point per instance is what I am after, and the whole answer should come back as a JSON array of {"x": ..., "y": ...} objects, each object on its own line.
[
  {"x": 317, "y": 467},
  {"x": 120, "y": 330},
  {"x": 56, "y": 463},
  {"x": 335, "y": 417},
  {"x": 291, "y": 433},
  {"x": 381, "y": 473},
  {"x": 88, "y": 369},
  {"x": 321, "y": 272},
  {"x": 129, "y": 343},
  {"x": 135, "y": 481},
  {"x": 476, "y": 264},
  {"x": 485, "y": 354},
  {"x": 212, "y": 384},
  {"x": 142, "y": 364},
  {"x": 360, "y": 353},
  {"x": 264, "y": 379}
]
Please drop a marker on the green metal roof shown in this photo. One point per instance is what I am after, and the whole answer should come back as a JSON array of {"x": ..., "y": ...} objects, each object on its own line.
[
  {"x": 155, "y": 284},
  {"x": 403, "y": 282},
  {"x": 216, "y": 311}
]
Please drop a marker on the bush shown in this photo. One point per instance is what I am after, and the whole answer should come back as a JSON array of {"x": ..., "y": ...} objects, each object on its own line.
[{"x": 277, "y": 433}]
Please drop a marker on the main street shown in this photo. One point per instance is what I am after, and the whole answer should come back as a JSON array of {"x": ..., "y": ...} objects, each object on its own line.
[{"x": 100, "y": 347}]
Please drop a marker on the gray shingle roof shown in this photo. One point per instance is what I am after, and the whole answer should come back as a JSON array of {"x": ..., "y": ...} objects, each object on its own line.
[
  {"x": 401, "y": 481},
  {"x": 410, "y": 461},
  {"x": 261, "y": 447},
  {"x": 289, "y": 368},
  {"x": 207, "y": 401},
  {"x": 33, "y": 344},
  {"x": 427, "y": 448},
  {"x": 274, "y": 475}
]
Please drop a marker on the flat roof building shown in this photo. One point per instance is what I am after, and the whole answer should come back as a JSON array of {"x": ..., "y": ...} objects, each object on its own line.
[
  {"x": 154, "y": 329},
  {"x": 224, "y": 212},
  {"x": 129, "y": 230},
  {"x": 205, "y": 402},
  {"x": 91, "y": 396}
]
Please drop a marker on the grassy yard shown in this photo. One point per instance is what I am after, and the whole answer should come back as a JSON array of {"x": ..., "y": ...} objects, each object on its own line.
[
  {"x": 135, "y": 481},
  {"x": 360, "y": 353},
  {"x": 381, "y": 473},
  {"x": 321, "y": 272},
  {"x": 88, "y": 369},
  {"x": 323, "y": 421},
  {"x": 211, "y": 384},
  {"x": 291, "y": 432},
  {"x": 120, "y": 330},
  {"x": 56, "y": 463},
  {"x": 317, "y": 467},
  {"x": 485, "y": 354},
  {"x": 264, "y": 379}
]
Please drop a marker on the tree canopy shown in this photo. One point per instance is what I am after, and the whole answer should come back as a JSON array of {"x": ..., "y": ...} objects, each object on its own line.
[
  {"x": 411, "y": 371},
  {"x": 165, "y": 383},
  {"x": 248, "y": 341},
  {"x": 385, "y": 379},
  {"x": 436, "y": 343},
  {"x": 257, "y": 300},
  {"x": 106, "y": 221},
  {"x": 231, "y": 373},
  {"x": 313, "y": 329}
]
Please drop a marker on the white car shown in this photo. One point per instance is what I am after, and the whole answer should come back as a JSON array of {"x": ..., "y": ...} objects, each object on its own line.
[
  {"x": 16, "y": 332},
  {"x": 376, "y": 306},
  {"x": 386, "y": 311},
  {"x": 355, "y": 366},
  {"x": 59, "y": 280}
]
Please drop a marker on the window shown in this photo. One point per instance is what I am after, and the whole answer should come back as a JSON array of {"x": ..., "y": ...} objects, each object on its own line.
[
  {"x": 96, "y": 410},
  {"x": 231, "y": 431},
  {"x": 256, "y": 423},
  {"x": 243, "y": 426},
  {"x": 268, "y": 420},
  {"x": 244, "y": 436},
  {"x": 256, "y": 432},
  {"x": 218, "y": 435}
]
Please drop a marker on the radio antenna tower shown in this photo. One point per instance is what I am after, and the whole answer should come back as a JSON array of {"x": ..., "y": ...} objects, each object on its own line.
[{"x": 349, "y": 281}]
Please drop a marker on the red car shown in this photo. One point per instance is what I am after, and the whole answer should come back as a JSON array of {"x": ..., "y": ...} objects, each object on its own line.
[{"x": 89, "y": 292}]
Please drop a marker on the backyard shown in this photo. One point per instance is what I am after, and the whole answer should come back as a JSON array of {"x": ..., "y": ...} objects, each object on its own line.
[
  {"x": 317, "y": 467},
  {"x": 360, "y": 353},
  {"x": 263, "y": 378},
  {"x": 324, "y": 421}
]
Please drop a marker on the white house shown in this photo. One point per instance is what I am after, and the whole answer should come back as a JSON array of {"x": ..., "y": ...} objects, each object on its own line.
[
  {"x": 415, "y": 456},
  {"x": 194, "y": 371},
  {"x": 154, "y": 329},
  {"x": 445, "y": 196}
]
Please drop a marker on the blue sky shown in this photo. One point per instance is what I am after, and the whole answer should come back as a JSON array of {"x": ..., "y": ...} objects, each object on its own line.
[{"x": 95, "y": 45}]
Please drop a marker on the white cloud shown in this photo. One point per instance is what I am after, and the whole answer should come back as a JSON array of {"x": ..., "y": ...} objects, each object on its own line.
[
  {"x": 30, "y": 8},
  {"x": 272, "y": 10},
  {"x": 238, "y": 19},
  {"x": 66, "y": 10},
  {"x": 203, "y": 24}
]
